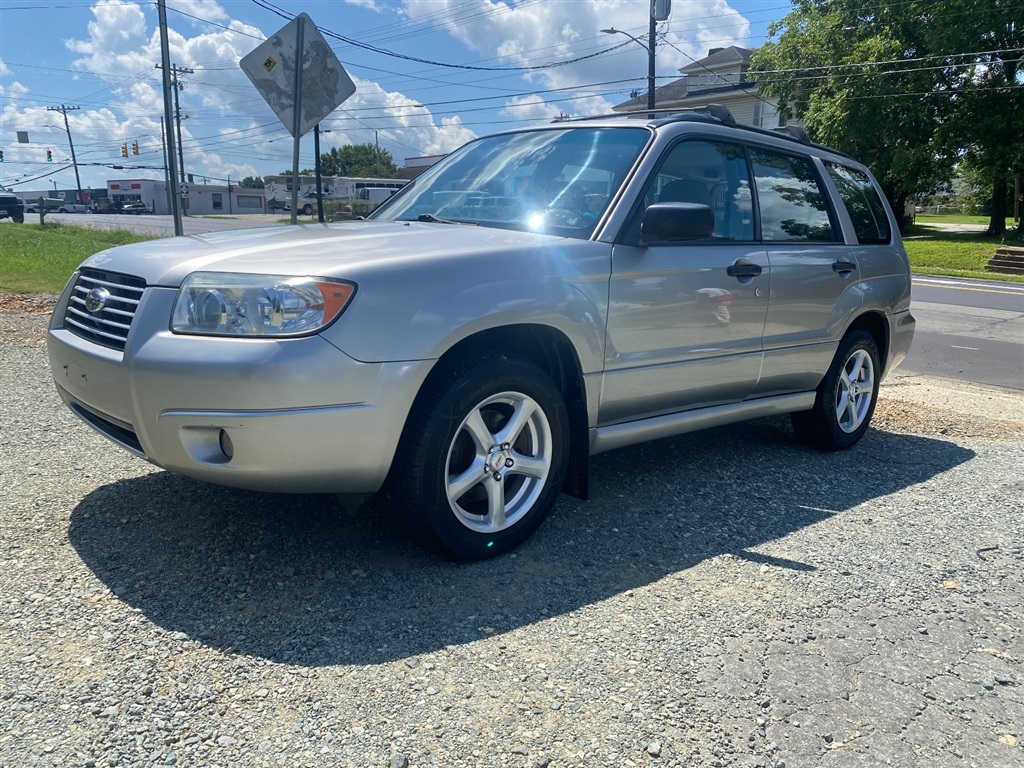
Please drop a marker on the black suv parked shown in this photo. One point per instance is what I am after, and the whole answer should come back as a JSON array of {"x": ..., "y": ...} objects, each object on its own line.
[{"x": 11, "y": 206}]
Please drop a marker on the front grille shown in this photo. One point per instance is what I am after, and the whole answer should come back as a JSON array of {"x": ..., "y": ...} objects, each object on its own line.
[{"x": 108, "y": 326}]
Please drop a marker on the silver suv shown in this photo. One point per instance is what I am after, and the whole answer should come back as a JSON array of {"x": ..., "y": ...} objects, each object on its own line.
[{"x": 537, "y": 297}]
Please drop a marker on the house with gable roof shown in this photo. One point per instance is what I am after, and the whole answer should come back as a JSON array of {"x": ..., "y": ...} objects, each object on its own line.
[{"x": 721, "y": 77}]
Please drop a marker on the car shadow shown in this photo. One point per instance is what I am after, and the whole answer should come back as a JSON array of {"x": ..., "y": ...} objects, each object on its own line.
[{"x": 294, "y": 579}]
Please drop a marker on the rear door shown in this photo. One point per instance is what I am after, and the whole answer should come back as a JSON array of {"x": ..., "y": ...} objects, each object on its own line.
[{"x": 813, "y": 271}]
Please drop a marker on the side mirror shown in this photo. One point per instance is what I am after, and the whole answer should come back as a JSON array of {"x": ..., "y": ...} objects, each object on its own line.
[{"x": 676, "y": 222}]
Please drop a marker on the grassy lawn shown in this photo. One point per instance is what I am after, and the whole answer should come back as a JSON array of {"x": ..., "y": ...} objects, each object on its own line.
[
  {"x": 40, "y": 259},
  {"x": 960, "y": 254},
  {"x": 926, "y": 218}
]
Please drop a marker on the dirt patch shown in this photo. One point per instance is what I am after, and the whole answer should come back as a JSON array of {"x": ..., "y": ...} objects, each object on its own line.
[
  {"x": 28, "y": 303},
  {"x": 927, "y": 405}
]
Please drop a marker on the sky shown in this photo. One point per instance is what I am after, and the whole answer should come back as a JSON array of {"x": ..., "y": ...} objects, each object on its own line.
[{"x": 430, "y": 75}]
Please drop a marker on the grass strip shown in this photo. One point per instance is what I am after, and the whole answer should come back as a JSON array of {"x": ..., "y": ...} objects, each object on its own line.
[
  {"x": 40, "y": 259},
  {"x": 955, "y": 254}
]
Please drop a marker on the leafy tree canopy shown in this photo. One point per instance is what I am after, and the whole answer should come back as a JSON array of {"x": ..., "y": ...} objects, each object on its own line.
[
  {"x": 251, "y": 182},
  {"x": 908, "y": 88},
  {"x": 358, "y": 160}
]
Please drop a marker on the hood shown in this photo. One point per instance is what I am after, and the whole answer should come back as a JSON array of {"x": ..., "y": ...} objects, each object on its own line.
[{"x": 331, "y": 250}]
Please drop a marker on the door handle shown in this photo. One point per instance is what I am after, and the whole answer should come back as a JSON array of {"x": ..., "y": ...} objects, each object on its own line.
[
  {"x": 743, "y": 268},
  {"x": 843, "y": 267}
]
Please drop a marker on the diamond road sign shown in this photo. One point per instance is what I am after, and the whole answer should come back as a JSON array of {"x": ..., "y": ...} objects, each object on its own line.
[{"x": 271, "y": 67}]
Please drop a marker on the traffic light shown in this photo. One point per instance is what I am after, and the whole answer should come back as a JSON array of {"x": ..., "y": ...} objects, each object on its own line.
[
  {"x": 49, "y": 156},
  {"x": 1, "y": 155},
  {"x": 135, "y": 147},
  {"x": 124, "y": 150}
]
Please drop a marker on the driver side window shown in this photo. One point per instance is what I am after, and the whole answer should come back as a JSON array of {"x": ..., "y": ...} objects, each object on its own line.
[{"x": 712, "y": 174}]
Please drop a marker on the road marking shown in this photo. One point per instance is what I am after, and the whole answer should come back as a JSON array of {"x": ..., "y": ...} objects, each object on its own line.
[
  {"x": 954, "y": 346},
  {"x": 979, "y": 287}
]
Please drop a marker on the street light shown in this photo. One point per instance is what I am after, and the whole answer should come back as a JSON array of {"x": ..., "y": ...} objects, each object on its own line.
[{"x": 650, "y": 47}]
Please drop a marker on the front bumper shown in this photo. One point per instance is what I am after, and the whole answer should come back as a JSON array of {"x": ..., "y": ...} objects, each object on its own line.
[{"x": 287, "y": 415}]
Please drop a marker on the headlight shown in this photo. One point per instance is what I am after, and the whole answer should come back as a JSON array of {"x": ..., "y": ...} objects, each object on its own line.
[{"x": 221, "y": 304}]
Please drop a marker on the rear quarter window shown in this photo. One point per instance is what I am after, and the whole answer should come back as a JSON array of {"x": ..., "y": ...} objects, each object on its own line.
[{"x": 863, "y": 203}]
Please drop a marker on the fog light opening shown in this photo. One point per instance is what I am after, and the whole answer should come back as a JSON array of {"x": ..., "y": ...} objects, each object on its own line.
[{"x": 226, "y": 446}]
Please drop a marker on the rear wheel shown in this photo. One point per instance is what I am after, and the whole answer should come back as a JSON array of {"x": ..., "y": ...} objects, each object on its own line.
[
  {"x": 846, "y": 397},
  {"x": 307, "y": 209},
  {"x": 483, "y": 459}
]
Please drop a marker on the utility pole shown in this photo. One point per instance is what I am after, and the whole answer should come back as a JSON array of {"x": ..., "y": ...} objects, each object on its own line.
[
  {"x": 64, "y": 109},
  {"x": 177, "y": 85},
  {"x": 316, "y": 165},
  {"x": 165, "y": 58},
  {"x": 168, "y": 178}
]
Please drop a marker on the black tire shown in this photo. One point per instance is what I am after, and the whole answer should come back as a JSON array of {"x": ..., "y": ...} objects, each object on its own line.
[
  {"x": 307, "y": 209},
  {"x": 19, "y": 219},
  {"x": 837, "y": 420},
  {"x": 438, "y": 447}
]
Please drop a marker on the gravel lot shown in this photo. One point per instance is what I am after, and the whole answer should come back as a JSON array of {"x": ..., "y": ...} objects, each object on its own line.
[{"x": 728, "y": 598}]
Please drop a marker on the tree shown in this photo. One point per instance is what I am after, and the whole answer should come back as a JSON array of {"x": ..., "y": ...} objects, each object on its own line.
[
  {"x": 984, "y": 77},
  {"x": 251, "y": 182},
  {"x": 364, "y": 160},
  {"x": 842, "y": 67},
  {"x": 909, "y": 88}
]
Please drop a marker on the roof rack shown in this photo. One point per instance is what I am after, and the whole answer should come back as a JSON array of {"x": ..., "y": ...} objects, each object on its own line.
[
  {"x": 795, "y": 132},
  {"x": 713, "y": 113}
]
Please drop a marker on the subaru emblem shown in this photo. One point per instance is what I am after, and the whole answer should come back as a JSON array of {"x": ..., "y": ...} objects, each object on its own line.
[{"x": 97, "y": 299}]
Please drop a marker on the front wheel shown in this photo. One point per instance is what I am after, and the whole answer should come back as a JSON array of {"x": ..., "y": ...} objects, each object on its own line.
[
  {"x": 846, "y": 397},
  {"x": 484, "y": 455},
  {"x": 307, "y": 209}
]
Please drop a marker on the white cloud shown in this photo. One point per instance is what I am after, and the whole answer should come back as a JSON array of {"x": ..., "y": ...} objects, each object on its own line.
[
  {"x": 535, "y": 33},
  {"x": 4, "y": 69},
  {"x": 209, "y": 10}
]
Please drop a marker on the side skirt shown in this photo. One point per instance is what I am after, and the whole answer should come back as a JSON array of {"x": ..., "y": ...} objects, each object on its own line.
[{"x": 619, "y": 435}]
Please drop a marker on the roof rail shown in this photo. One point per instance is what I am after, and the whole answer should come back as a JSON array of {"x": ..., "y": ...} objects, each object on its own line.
[
  {"x": 794, "y": 132},
  {"x": 716, "y": 112}
]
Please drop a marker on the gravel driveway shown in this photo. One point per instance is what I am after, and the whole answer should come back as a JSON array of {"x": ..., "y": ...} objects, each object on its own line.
[{"x": 728, "y": 598}]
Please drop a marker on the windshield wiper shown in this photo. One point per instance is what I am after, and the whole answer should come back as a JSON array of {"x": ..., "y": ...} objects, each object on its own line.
[{"x": 432, "y": 219}]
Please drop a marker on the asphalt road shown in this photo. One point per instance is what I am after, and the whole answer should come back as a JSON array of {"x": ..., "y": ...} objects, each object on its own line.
[
  {"x": 162, "y": 226},
  {"x": 968, "y": 329}
]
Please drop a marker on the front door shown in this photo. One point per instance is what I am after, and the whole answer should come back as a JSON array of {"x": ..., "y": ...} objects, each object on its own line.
[{"x": 682, "y": 331}]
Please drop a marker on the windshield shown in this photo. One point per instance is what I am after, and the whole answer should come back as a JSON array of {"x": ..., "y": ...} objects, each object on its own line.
[{"x": 557, "y": 181}]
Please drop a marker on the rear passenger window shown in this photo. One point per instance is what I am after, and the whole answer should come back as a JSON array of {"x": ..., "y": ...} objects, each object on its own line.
[
  {"x": 865, "y": 207},
  {"x": 791, "y": 200}
]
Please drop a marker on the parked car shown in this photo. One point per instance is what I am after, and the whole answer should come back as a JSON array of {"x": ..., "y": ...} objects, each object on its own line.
[
  {"x": 136, "y": 207},
  {"x": 537, "y": 297},
  {"x": 73, "y": 208},
  {"x": 106, "y": 205},
  {"x": 51, "y": 204},
  {"x": 11, "y": 207}
]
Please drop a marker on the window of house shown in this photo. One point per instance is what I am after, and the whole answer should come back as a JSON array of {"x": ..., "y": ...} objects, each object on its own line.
[
  {"x": 250, "y": 201},
  {"x": 865, "y": 207},
  {"x": 792, "y": 203},
  {"x": 218, "y": 201}
]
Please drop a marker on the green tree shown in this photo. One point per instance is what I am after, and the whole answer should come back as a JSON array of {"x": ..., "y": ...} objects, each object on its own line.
[
  {"x": 911, "y": 88},
  {"x": 251, "y": 182},
  {"x": 358, "y": 160},
  {"x": 984, "y": 78},
  {"x": 843, "y": 68}
]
